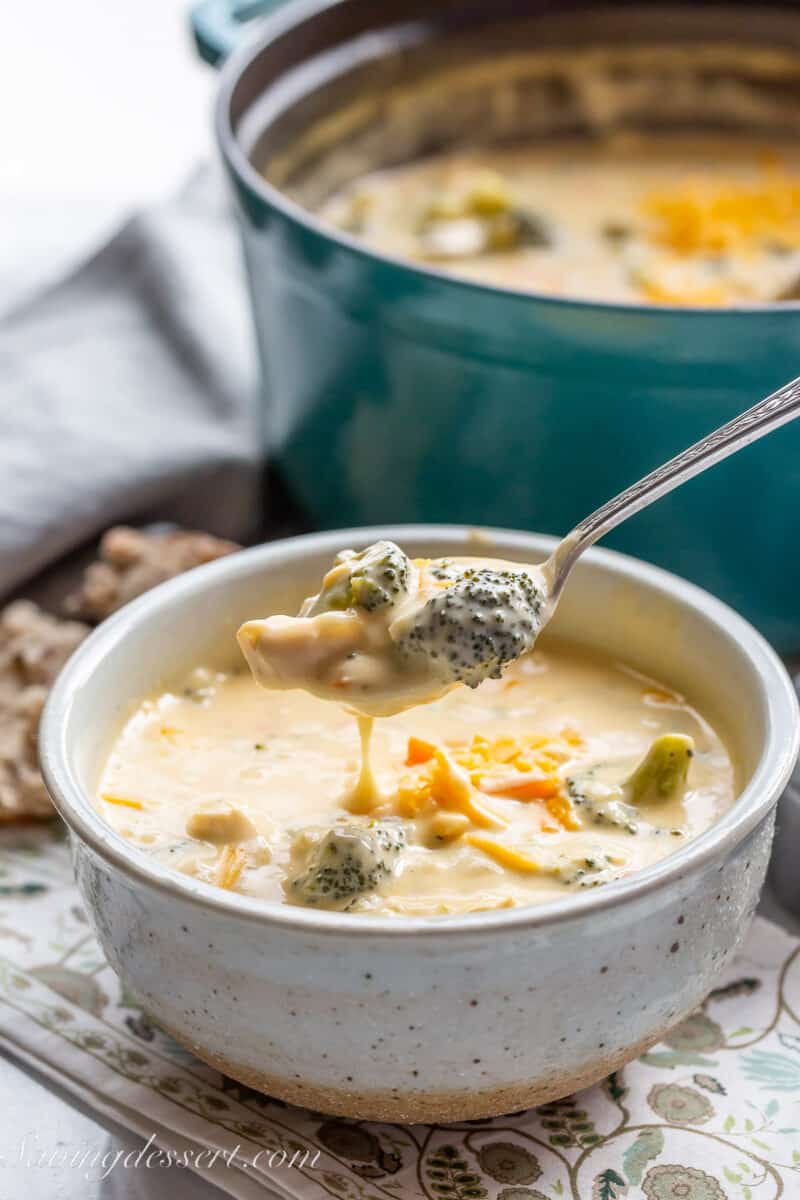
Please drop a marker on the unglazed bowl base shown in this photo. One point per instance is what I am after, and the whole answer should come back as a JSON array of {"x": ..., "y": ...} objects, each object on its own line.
[{"x": 416, "y": 1108}]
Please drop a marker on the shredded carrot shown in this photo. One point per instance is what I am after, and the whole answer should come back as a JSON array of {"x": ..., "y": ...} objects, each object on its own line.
[
  {"x": 122, "y": 801},
  {"x": 526, "y": 786},
  {"x": 537, "y": 787},
  {"x": 419, "y": 751}
]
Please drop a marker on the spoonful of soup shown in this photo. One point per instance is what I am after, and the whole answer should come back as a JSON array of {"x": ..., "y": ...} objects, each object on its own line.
[{"x": 385, "y": 632}]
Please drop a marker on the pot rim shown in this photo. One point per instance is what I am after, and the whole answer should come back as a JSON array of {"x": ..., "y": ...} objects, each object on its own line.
[
  {"x": 281, "y": 22},
  {"x": 777, "y": 758}
]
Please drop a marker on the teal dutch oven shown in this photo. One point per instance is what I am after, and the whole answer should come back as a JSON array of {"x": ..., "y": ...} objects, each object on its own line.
[{"x": 395, "y": 392}]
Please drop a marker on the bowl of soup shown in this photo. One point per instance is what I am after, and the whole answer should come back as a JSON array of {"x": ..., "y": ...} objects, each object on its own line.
[
  {"x": 434, "y": 955},
  {"x": 506, "y": 258}
]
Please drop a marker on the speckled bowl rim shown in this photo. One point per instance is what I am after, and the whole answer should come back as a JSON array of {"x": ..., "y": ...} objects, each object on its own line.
[{"x": 777, "y": 759}]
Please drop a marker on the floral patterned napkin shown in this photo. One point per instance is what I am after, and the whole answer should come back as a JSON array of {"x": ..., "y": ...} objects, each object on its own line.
[{"x": 713, "y": 1113}]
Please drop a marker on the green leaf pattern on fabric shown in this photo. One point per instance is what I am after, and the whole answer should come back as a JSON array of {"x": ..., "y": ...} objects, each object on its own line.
[
  {"x": 647, "y": 1146},
  {"x": 609, "y": 1186}
]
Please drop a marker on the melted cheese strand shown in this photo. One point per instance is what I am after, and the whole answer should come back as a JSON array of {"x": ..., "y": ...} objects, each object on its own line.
[
  {"x": 504, "y": 855},
  {"x": 365, "y": 795}
]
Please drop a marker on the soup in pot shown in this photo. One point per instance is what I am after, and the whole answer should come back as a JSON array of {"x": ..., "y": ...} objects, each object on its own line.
[{"x": 675, "y": 220}]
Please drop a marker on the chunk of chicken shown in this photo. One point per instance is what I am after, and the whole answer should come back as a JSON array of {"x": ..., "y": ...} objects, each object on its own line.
[{"x": 225, "y": 825}]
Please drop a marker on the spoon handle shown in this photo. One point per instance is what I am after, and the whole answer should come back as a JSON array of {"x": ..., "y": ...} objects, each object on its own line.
[{"x": 772, "y": 412}]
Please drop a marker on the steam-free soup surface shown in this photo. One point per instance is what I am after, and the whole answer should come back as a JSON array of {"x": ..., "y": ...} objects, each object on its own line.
[
  {"x": 511, "y": 794},
  {"x": 664, "y": 220}
]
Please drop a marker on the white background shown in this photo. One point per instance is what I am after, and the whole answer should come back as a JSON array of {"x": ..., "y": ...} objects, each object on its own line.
[{"x": 104, "y": 106}]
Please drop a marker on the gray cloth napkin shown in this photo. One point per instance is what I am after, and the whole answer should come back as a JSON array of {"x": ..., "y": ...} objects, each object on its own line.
[{"x": 128, "y": 390}]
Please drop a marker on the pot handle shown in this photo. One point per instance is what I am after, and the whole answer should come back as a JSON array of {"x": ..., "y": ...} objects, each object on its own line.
[{"x": 219, "y": 25}]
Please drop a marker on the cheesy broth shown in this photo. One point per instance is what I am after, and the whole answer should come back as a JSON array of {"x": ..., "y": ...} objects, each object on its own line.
[
  {"x": 666, "y": 220},
  {"x": 507, "y": 795}
]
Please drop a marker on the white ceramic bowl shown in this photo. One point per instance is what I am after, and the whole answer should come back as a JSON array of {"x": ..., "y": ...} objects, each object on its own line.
[{"x": 424, "y": 1019}]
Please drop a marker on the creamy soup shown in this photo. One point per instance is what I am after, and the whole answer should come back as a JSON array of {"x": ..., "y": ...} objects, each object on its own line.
[
  {"x": 670, "y": 220},
  {"x": 565, "y": 773}
]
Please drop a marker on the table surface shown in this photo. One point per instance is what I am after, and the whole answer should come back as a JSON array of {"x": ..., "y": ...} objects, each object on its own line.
[{"x": 104, "y": 108}]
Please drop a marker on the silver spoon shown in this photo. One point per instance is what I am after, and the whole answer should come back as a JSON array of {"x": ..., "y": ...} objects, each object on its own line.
[
  {"x": 511, "y": 617},
  {"x": 487, "y": 615},
  {"x": 769, "y": 414}
]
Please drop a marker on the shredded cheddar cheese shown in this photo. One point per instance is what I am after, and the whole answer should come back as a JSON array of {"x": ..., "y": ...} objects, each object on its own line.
[
  {"x": 413, "y": 797},
  {"x": 562, "y": 810},
  {"x": 525, "y": 769},
  {"x": 122, "y": 801},
  {"x": 504, "y": 855},
  {"x": 229, "y": 867},
  {"x": 486, "y": 759},
  {"x": 704, "y": 216},
  {"x": 451, "y": 788},
  {"x": 712, "y": 296}
]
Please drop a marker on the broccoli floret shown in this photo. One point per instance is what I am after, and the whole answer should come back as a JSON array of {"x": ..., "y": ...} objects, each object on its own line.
[
  {"x": 371, "y": 579},
  {"x": 444, "y": 570},
  {"x": 513, "y": 229},
  {"x": 479, "y": 217},
  {"x": 470, "y": 236},
  {"x": 478, "y": 625},
  {"x": 662, "y": 773},
  {"x": 347, "y": 862},
  {"x": 591, "y": 871},
  {"x": 661, "y": 776},
  {"x": 602, "y": 803}
]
